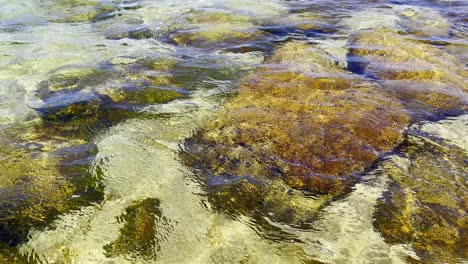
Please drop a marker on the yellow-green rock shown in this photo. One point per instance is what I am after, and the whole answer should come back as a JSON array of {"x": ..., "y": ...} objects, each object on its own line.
[
  {"x": 69, "y": 79},
  {"x": 387, "y": 54},
  {"x": 425, "y": 205},
  {"x": 273, "y": 199},
  {"x": 10, "y": 255}
]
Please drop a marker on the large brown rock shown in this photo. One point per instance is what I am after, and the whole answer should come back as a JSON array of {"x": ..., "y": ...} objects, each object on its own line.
[{"x": 302, "y": 119}]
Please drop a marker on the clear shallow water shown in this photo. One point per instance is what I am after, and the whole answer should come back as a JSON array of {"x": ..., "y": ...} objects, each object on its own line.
[{"x": 125, "y": 144}]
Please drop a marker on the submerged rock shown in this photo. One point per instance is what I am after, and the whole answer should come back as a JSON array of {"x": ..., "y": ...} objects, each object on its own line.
[
  {"x": 425, "y": 205},
  {"x": 215, "y": 29},
  {"x": 302, "y": 119},
  {"x": 149, "y": 95},
  {"x": 10, "y": 255},
  {"x": 267, "y": 199},
  {"x": 306, "y": 23},
  {"x": 144, "y": 226},
  {"x": 38, "y": 183},
  {"x": 388, "y": 55},
  {"x": 84, "y": 11},
  {"x": 424, "y": 22},
  {"x": 47, "y": 163},
  {"x": 70, "y": 79},
  {"x": 426, "y": 79}
]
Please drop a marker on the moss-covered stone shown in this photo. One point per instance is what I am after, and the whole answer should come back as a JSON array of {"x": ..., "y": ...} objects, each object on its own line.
[
  {"x": 140, "y": 234},
  {"x": 139, "y": 33},
  {"x": 271, "y": 199},
  {"x": 425, "y": 205},
  {"x": 301, "y": 119},
  {"x": 108, "y": 108},
  {"x": 214, "y": 29}
]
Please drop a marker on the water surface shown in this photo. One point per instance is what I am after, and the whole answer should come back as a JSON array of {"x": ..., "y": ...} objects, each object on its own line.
[{"x": 157, "y": 131}]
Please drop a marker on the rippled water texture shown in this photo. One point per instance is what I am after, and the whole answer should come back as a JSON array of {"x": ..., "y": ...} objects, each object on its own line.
[{"x": 238, "y": 131}]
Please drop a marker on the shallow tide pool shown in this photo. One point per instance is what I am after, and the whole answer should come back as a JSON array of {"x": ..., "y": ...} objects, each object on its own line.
[{"x": 209, "y": 131}]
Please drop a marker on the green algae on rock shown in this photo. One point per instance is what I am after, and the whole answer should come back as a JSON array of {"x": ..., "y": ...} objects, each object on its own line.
[
  {"x": 149, "y": 95},
  {"x": 142, "y": 230},
  {"x": 302, "y": 119},
  {"x": 425, "y": 205}
]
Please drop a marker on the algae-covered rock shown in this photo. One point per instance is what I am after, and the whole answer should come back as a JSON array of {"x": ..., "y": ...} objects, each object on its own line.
[
  {"x": 71, "y": 78},
  {"x": 388, "y": 55},
  {"x": 149, "y": 95},
  {"x": 301, "y": 22},
  {"x": 144, "y": 226},
  {"x": 271, "y": 199},
  {"x": 10, "y": 255},
  {"x": 301, "y": 119},
  {"x": 37, "y": 183},
  {"x": 426, "y": 78},
  {"x": 425, "y": 205},
  {"x": 84, "y": 11},
  {"x": 424, "y": 22},
  {"x": 215, "y": 29},
  {"x": 46, "y": 161},
  {"x": 131, "y": 32}
]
